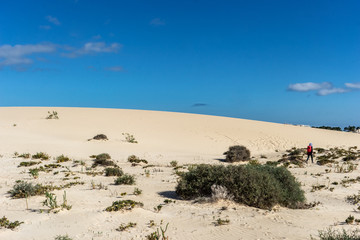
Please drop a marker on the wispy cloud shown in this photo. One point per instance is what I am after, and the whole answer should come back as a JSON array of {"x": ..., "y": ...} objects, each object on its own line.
[
  {"x": 53, "y": 20},
  {"x": 323, "y": 89},
  {"x": 309, "y": 86},
  {"x": 94, "y": 48},
  {"x": 353, "y": 85},
  {"x": 157, "y": 22},
  {"x": 18, "y": 54},
  {"x": 199, "y": 105},
  {"x": 115, "y": 69}
]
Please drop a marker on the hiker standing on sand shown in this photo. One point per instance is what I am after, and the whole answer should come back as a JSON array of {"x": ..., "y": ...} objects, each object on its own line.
[{"x": 310, "y": 153}]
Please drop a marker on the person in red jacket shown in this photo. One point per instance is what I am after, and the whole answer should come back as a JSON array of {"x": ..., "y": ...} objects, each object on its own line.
[{"x": 310, "y": 153}]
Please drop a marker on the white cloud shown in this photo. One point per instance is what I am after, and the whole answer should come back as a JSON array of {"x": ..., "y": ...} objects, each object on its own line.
[
  {"x": 324, "y": 92},
  {"x": 353, "y": 85},
  {"x": 115, "y": 69},
  {"x": 15, "y": 55},
  {"x": 53, "y": 20},
  {"x": 157, "y": 22},
  {"x": 309, "y": 86},
  {"x": 94, "y": 48}
]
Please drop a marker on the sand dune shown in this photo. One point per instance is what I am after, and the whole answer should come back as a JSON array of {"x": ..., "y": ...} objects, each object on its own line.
[{"x": 162, "y": 137}]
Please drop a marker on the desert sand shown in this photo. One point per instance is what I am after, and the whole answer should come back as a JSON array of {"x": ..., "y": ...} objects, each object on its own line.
[{"x": 162, "y": 137}]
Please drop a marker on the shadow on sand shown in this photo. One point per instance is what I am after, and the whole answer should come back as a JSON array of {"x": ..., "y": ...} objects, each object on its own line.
[{"x": 169, "y": 194}]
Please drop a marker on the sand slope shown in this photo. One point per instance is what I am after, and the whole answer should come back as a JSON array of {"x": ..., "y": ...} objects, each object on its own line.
[{"x": 162, "y": 137}]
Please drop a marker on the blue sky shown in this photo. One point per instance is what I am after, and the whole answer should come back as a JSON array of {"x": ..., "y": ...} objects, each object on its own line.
[{"x": 281, "y": 61}]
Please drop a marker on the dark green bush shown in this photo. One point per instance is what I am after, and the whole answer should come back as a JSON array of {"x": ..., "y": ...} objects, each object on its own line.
[
  {"x": 331, "y": 234},
  {"x": 100, "y": 137},
  {"x": 103, "y": 159},
  {"x": 24, "y": 189},
  {"x": 136, "y": 160},
  {"x": 41, "y": 155},
  {"x": 113, "y": 172},
  {"x": 125, "y": 179},
  {"x": 259, "y": 186},
  {"x": 62, "y": 158},
  {"x": 123, "y": 205},
  {"x": 237, "y": 153}
]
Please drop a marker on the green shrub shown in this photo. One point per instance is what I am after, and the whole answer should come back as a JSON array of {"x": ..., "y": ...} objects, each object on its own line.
[
  {"x": 100, "y": 137},
  {"x": 53, "y": 115},
  {"x": 259, "y": 186},
  {"x": 62, "y": 158},
  {"x": 40, "y": 155},
  {"x": 330, "y": 234},
  {"x": 25, "y": 155},
  {"x": 135, "y": 160},
  {"x": 63, "y": 237},
  {"x": 125, "y": 179},
  {"x": 113, "y": 172},
  {"x": 24, "y": 189},
  {"x": 5, "y": 223},
  {"x": 123, "y": 205},
  {"x": 129, "y": 138},
  {"x": 103, "y": 160},
  {"x": 237, "y": 153},
  {"x": 28, "y": 164}
]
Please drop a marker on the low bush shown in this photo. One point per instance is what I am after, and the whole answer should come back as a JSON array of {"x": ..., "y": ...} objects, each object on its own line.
[
  {"x": 52, "y": 115},
  {"x": 103, "y": 159},
  {"x": 259, "y": 186},
  {"x": 331, "y": 234},
  {"x": 24, "y": 189},
  {"x": 135, "y": 160},
  {"x": 237, "y": 153},
  {"x": 62, "y": 158},
  {"x": 41, "y": 155},
  {"x": 28, "y": 164},
  {"x": 123, "y": 205},
  {"x": 100, "y": 137},
  {"x": 125, "y": 179},
  {"x": 113, "y": 172},
  {"x": 5, "y": 223}
]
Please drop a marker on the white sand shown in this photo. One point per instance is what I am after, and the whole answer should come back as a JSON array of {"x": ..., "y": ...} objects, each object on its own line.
[{"x": 162, "y": 137}]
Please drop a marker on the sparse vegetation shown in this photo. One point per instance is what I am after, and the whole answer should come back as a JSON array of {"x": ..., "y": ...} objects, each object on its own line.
[
  {"x": 129, "y": 138},
  {"x": 331, "y": 234},
  {"x": 113, "y": 172},
  {"x": 350, "y": 219},
  {"x": 41, "y": 155},
  {"x": 125, "y": 179},
  {"x": 123, "y": 205},
  {"x": 62, "y": 158},
  {"x": 24, "y": 155},
  {"x": 173, "y": 163},
  {"x": 157, "y": 235},
  {"x": 28, "y": 164},
  {"x": 5, "y": 223},
  {"x": 259, "y": 186},
  {"x": 220, "y": 222},
  {"x": 135, "y": 160},
  {"x": 237, "y": 153},
  {"x": 124, "y": 227},
  {"x": 100, "y": 137},
  {"x": 137, "y": 191},
  {"x": 63, "y": 237},
  {"x": 103, "y": 159},
  {"x": 52, "y": 115}
]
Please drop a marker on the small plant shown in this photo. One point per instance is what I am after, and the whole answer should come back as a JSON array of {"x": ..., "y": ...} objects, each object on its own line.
[
  {"x": 5, "y": 223},
  {"x": 65, "y": 204},
  {"x": 50, "y": 201},
  {"x": 123, "y": 205},
  {"x": 40, "y": 155},
  {"x": 62, "y": 158},
  {"x": 137, "y": 191},
  {"x": 103, "y": 159},
  {"x": 123, "y": 227},
  {"x": 237, "y": 153},
  {"x": 219, "y": 192},
  {"x": 129, "y": 138},
  {"x": 157, "y": 235},
  {"x": 167, "y": 201},
  {"x": 330, "y": 234},
  {"x": 350, "y": 219},
  {"x": 52, "y": 115},
  {"x": 34, "y": 173},
  {"x": 220, "y": 222},
  {"x": 158, "y": 208},
  {"x": 173, "y": 163},
  {"x": 24, "y": 189},
  {"x": 63, "y": 237},
  {"x": 125, "y": 179},
  {"x": 147, "y": 173},
  {"x": 28, "y": 164},
  {"x": 100, "y": 137},
  {"x": 24, "y": 155},
  {"x": 135, "y": 160},
  {"x": 263, "y": 156},
  {"x": 113, "y": 172}
]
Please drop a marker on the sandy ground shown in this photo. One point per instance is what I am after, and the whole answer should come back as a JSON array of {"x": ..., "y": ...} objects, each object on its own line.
[{"x": 162, "y": 137}]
